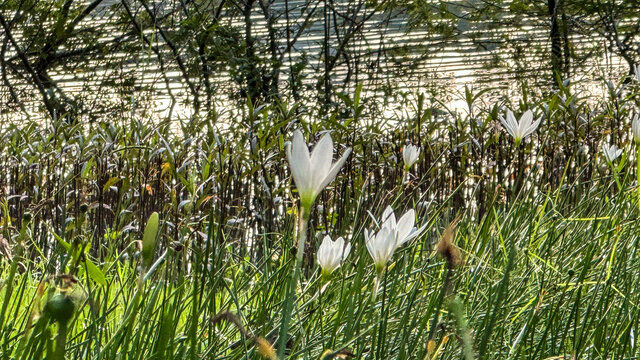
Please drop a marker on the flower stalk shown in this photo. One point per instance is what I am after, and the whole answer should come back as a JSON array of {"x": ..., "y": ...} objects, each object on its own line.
[
  {"x": 611, "y": 153},
  {"x": 301, "y": 239},
  {"x": 520, "y": 169},
  {"x": 635, "y": 130},
  {"x": 311, "y": 172},
  {"x": 638, "y": 169}
]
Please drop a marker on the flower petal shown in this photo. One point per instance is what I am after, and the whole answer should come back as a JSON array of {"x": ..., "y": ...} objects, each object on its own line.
[
  {"x": 321, "y": 160},
  {"x": 333, "y": 172},
  {"x": 347, "y": 250},
  {"x": 404, "y": 227},
  {"x": 525, "y": 123},
  {"x": 415, "y": 233},
  {"x": 389, "y": 244},
  {"x": 388, "y": 218},
  {"x": 532, "y": 128},
  {"x": 323, "y": 251},
  {"x": 508, "y": 123},
  {"x": 299, "y": 162},
  {"x": 369, "y": 243}
]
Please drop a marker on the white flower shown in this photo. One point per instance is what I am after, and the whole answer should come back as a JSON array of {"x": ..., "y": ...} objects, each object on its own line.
[
  {"x": 635, "y": 128},
  {"x": 392, "y": 235},
  {"x": 331, "y": 254},
  {"x": 520, "y": 129},
  {"x": 381, "y": 246},
  {"x": 410, "y": 155},
  {"x": 312, "y": 172},
  {"x": 611, "y": 152},
  {"x": 402, "y": 229},
  {"x": 636, "y": 69}
]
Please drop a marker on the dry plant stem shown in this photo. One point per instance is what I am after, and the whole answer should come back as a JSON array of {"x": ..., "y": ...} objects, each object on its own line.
[{"x": 303, "y": 220}]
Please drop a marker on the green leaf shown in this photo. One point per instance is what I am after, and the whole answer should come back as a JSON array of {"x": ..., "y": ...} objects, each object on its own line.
[
  {"x": 109, "y": 183},
  {"x": 64, "y": 244},
  {"x": 95, "y": 273},
  {"x": 149, "y": 239}
]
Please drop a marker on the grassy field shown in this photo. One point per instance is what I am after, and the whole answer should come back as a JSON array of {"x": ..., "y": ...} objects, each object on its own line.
[{"x": 135, "y": 240}]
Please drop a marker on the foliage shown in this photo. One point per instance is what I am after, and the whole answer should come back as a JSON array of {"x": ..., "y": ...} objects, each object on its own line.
[{"x": 175, "y": 240}]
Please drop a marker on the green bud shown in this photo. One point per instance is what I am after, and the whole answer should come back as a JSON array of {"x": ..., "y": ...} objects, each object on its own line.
[
  {"x": 26, "y": 217},
  {"x": 60, "y": 307}
]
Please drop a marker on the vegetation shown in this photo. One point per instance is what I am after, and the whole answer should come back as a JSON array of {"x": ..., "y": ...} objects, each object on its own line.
[
  {"x": 99, "y": 59},
  {"x": 311, "y": 188},
  {"x": 141, "y": 240}
]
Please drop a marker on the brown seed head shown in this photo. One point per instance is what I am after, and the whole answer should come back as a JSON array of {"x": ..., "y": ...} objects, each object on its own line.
[
  {"x": 446, "y": 247},
  {"x": 265, "y": 349}
]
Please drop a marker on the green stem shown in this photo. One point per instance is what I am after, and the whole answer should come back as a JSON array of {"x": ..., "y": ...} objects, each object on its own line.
[
  {"x": 638, "y": 168},
  {"x": 440, "y": 301},
  {"x": 125, "y": 323},
  {"x": 382, "y": 320},
  {"x": 303, "y": 221},
  {"x": 321, "y": 319},
  {"x": 519, "y": 170},
  {"x": 376, "y": 286},
  {"x": 9, "y": 283},
  {"x": 614, "y": 170},
  {"x": 61, "y": 341}
]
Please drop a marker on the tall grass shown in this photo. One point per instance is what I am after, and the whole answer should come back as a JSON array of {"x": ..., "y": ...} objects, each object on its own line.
[{"x": 547, "y": 271}]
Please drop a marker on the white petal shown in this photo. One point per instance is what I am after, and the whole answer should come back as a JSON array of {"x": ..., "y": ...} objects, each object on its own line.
[
  {"x": 404, "y": 227},
  {"x": 333, "y": 172},
  {"x": 410, "y": 155},
  {"x": 389, "y": 242},
  {"x": 326, "y": 242},
  {"x": 321, "y": 160},
  {"x": 388, "y": 218},
  {"x": 334, "y": 257},
  {"x": 532, "y": 128},
  {"x": 508, "y": 124},
  {"x": 299, "y": 162},
  {"x": 369, "y": 243},
  {"x": 511, "y": 120},
  {"x": 379, "y": 246},
  {"x": 346, "y": 252},
  {"x": 405, "y": 155},
  {"x": 415, "y": 233},
  {"x": 323, "y": 251},
  {"x": 526, "y": 118}
]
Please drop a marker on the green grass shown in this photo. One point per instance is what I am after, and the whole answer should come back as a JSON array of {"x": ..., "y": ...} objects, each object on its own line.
[
  {"x": 537, "y": 281},
  {"x": 547, "y": 272}
]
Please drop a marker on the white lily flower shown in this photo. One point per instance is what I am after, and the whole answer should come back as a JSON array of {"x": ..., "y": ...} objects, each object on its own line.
[
  {"x": 312, "y": 172},
  {"x": 410, "y": 155},
  {"x": 331, "y": 254},
  {"x": 381, "y": 246},
  {"x": 635, "y": 128},
  {"x": 402, "y": 229},
  {"x": 611, "y": 152},
  {"x": 519, "y": 130},
  {"x": 392, "y": 235}
]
